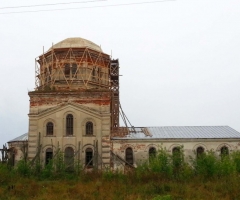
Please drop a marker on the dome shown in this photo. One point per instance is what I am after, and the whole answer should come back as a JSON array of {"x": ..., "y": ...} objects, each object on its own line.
[{"x": 76, "y": 43}]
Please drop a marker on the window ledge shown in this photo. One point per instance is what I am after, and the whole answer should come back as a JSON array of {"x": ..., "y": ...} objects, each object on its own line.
[{"x": 89, "y": 135}]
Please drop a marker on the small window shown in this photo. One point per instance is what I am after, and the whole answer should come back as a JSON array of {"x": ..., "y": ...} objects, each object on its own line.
[
  {"x": 93, "y": 73},
  {"x": 67, "y": 70},
  {"x": 69, "y": 124},
  {"x": 129, "y": 156},
  {"x": 200, "y": 151},
  {"x": 89, "y": 157},
  {"x": 46, "y": 75},
  {"x": 50, "y": 73},
  {"x": 89, "y": 128},
  {"x": 176, "y": 157},
  {"x": 49, "y": 155},
  {"x": 224, "y": 151},
  {"x": 74, "y": 70},
  {"x": 152, "y": 153},
  {"x": 49, "y": 128},
  {"x": 176, "y": 150}
]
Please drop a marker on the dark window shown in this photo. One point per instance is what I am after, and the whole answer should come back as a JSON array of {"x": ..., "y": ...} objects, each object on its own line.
[
  {"x": 69, "y": 124},
  {"x": 177, "y": 157},
  {"x": 49, "y": 155},
  {"x": 200, "y": 151},
  {"x": 49, "y": 128},
  {"x": 176, "y": 150},
  {"x": 50, "y": 73},
  {"x": 152, "y": 153},
  {"x": 69, "y": 158},
  {"x": 89, "y": 157},
  {"x": 129, "y": 156},
  {"x": 224, "y": 151},
  {"x": 93, "y": 73},
  {"x": 89, "y": 128},
  {"x": 46, "y": 75},
  {"x": 67, "y": 70},
  {"x": 74, "y": 70}
]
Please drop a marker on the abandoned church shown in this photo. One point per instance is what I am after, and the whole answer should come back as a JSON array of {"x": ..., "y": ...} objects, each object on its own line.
[{"x": 75, "y": 110}]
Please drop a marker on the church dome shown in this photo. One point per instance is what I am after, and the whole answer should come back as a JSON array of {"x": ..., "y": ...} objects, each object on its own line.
[{"x": 76, "y": 42}]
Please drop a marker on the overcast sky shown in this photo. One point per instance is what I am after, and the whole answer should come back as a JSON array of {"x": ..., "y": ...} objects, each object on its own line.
[{"x": 179, "y": 59}]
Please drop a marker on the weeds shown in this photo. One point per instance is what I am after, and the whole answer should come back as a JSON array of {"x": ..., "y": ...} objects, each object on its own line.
[{"x": 164, "y": 177}]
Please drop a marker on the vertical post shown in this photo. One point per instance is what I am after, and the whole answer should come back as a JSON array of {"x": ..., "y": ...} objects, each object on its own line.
[
  {"x": 97, "y": 154},
  {"x": 78, "y": 162},
  {"x": 39, "y": 150}
]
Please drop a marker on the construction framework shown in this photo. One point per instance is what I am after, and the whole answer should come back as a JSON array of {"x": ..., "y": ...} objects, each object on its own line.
[{"x": 79, "y": 69}]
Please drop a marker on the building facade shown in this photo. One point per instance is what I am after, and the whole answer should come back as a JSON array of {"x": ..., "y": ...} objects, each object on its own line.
[{"x": 74, "y": 109}]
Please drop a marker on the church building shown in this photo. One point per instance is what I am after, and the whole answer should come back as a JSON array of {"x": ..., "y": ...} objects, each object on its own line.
[{"x": 75, "y": 110}]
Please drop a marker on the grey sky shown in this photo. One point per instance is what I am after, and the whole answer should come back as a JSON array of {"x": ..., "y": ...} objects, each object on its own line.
[{"x": 179, "y": 59}]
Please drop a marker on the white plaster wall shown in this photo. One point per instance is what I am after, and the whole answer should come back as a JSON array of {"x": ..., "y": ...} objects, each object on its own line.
[{"x": 141, "y": 147}]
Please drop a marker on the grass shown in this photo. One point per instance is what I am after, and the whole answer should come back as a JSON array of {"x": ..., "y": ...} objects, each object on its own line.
[{"x": 166, "y": 177}]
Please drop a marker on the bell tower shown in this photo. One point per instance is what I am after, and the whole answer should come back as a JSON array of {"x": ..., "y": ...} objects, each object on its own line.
[{"x": 75, "y": 104}]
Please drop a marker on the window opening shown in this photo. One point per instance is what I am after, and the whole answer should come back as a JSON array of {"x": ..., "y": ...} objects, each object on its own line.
[
  {"x": 89, "y": 128},
  {"x": 176, "y": 157},
  {"x": 69, "y": 158},
  {"x": 49, "y": 155},
  {"x": 129, "y": 156},
  {"x": 224, "y": 151},
  {"x": 49, "y": 127},
  {"x": 200, "y": 151},
  {"x": 67, "y": 70},
  {"x": 93, "y": 73},
  {"x": 50, "y": 73},
  {"x": 152, "y": 153},
  {"x": 69, "y": 124},
  {"x": 89, "y": 157},
  {"x": 74, "y": 70},
  {"x": 46, "y": 75}
]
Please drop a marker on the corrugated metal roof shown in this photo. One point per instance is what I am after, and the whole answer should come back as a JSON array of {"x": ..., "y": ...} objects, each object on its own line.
[
  {"x": 23, "y": 137},
  {"x": 183, "y": 132}
]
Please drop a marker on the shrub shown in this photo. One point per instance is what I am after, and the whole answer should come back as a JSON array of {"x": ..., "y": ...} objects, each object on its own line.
[
  {"x": 206, "y": 165},
  {"x": 161, "y": 164}
]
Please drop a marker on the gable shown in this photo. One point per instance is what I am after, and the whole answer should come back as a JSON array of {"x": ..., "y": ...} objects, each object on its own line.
[{"x": 67, "y": 106}]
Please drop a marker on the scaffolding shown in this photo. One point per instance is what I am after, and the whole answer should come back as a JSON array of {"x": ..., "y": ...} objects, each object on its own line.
[{"x": 72, "y": 68}]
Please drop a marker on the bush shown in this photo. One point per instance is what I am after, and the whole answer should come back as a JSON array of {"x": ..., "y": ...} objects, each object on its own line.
[
  {"x": 206, "y": 165},
  {"x": 161, "y": 164}
]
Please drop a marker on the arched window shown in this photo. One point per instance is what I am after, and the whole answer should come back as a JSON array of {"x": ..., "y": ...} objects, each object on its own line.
[
  {"x": 69, "y": 158},
  {"x": 129, "y": 156},
  {"x": 224, "y": 151},
  {"x": 152, "y": 153},
  {"x": 89, "y": 128},
  {"x": 176, "y": 150},
  {"x": 49, "y": 128},
  {"x": 67, "y": 69},
  {"x": 200, "y": 151},
  {"x": 176, "y": 157},
  {"x": 89, "y": 157},
  {"x": 69, "y": 124},
  {"x": 49, "y": 155}
]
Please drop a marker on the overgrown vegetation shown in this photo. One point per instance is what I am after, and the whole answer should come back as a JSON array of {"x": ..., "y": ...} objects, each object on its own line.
[{"x": 164, "y": 177}]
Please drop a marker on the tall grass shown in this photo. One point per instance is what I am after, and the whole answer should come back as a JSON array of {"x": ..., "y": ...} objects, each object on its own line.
[{"x": 163, "y": 177}]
